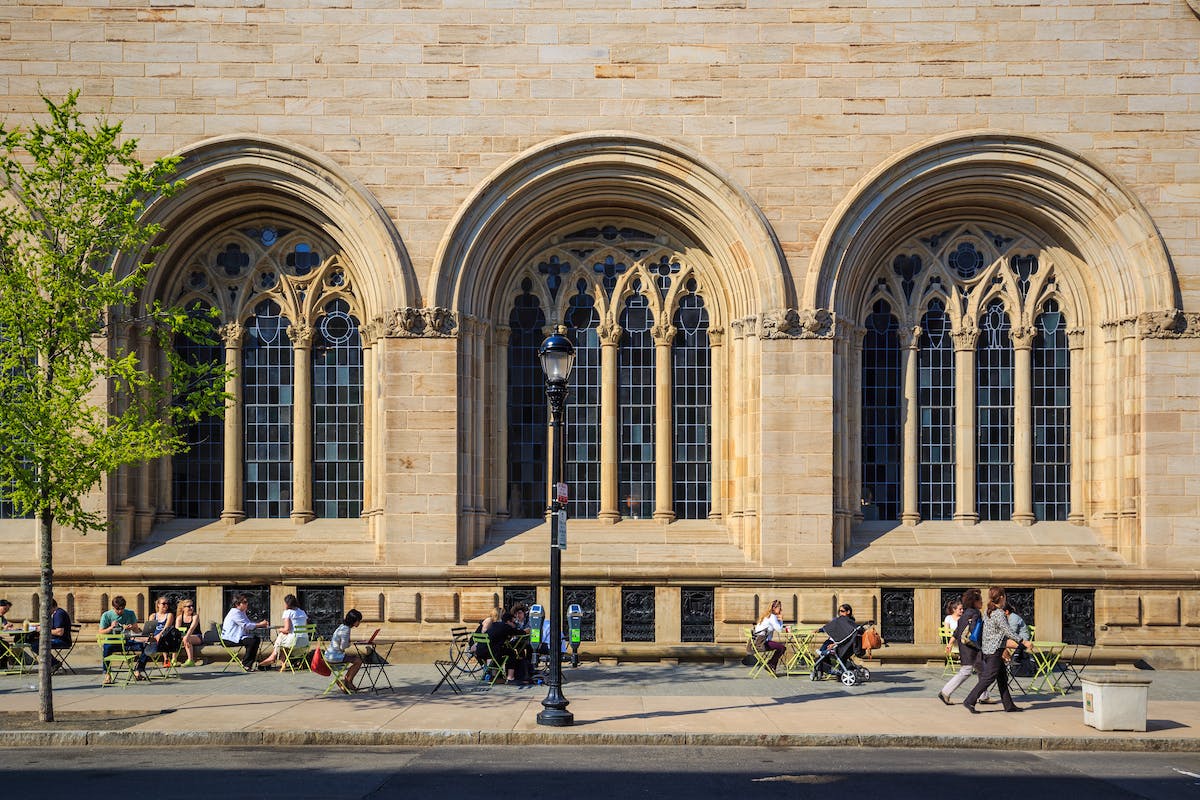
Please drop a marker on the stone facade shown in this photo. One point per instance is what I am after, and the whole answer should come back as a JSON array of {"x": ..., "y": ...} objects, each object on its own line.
[{"x": 784, "y": 151}]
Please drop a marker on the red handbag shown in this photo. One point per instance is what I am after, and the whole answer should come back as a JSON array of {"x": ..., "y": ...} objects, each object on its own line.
[{"x": 318, "y": 664}]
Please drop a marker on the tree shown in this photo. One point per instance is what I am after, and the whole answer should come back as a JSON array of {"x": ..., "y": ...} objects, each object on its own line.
[{"x": 72, "y": 409}]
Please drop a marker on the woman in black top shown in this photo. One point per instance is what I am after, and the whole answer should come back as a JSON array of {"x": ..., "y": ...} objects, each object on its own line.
[{"x": 969, "y": 657}]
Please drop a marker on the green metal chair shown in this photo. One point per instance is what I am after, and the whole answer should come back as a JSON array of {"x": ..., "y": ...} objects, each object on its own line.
[
  {"x": 295, "y": 657},
  {"x": 494, "y": 666},
  {"x": 761, "y": 653},
  {"x": 122, "y": 661}
]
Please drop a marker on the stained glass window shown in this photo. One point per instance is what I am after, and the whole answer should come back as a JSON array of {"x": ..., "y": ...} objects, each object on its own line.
[
  {"x": 337, "y": 414},
  {"x": 882, "y": 401},
  {"x": 582, "y": 436},
  {"x": 526, "y": 408},
  {"x": 1051, "y": 416},
  {"x": 691, "y": 396},
  {"x": 636, "y": 397},
  {"x": 994, "y": 422},
  {"x": 267, "y": 384},
  {"x": 935, "y": 387}
]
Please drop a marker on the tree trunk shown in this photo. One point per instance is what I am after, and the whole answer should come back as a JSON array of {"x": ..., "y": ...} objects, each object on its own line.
[{"x": 45, "y": 690}]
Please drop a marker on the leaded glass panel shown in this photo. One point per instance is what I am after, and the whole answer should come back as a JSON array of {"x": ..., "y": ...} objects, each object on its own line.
[
  {"x": 882, "y": 395},
  {"x": 935, "y": 391},
  {"x": 198, "y": 473},
  {"x": 582, "y": 437},
  {"x": 636, "y": 390},
  {"x": 691, "y": 394},
  {"x": 526, "y": 408},
  {"x": 267, "y": 384},
  {"x": 337, "y": 414},
  {"x": 1051, "y": 416},
  {"x": 994, "y": 409}
]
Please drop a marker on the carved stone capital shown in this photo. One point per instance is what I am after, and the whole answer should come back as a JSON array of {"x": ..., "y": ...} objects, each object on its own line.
[
  {"x": 301, "y": 334},
  {"x": 1075, "y": 338},
  {"x": 663, "y": 333},
  {"x": 503, "y": 332},
  {"x": 371, "y": 331},
  {"x": 422, "y": 323},
  {"x": 232, "y": 333},
  {"x": 609, "y": 332},
  {"x": 965, "y": 338},
  {"x": 1169, "y": 324},
  {"x": 1021, "y": 337},
  {"x": 788, "y": 323},
  {"x": 716, "y": 337},
  {"x": 910, "y": 338}
]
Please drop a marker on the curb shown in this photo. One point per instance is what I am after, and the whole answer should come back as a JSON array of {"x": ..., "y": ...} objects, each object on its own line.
[{"x": 430, "y": 738}]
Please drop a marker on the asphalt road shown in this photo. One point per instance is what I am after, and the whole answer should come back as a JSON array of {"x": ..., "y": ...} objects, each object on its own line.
[{"x": 583, "y": 773}]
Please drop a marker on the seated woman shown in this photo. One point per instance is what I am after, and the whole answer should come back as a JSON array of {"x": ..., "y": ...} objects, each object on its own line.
[
  {"x": 293, "y": 617},
  {"x": 339, "y": 642},
  {"x": 187, "y": 618},
  {"x": 156, "y": 626},
  {"x": 501, "y": 632}
]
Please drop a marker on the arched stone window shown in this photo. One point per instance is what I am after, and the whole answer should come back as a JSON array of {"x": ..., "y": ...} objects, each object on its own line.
[
  {"x": 197, "y": 476},
  {"x": 292, "y": 443},
  {"x": 639, "y": 408},
  {"x": 964, "y": 353}
]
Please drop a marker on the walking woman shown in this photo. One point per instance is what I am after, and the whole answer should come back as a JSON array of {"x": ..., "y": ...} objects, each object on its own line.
[
  {"x": 970, "y": 658},
  {"x": 996, "y": 635}
]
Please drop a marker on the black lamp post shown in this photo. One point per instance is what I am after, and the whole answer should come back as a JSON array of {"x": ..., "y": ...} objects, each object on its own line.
[{"x": 558, "y": 356}]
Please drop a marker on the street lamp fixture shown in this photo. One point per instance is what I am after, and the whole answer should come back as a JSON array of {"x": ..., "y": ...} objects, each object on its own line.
[{"x": 558, "y": 356}]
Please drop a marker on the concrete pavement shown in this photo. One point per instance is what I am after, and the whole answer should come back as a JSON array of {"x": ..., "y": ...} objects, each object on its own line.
[{"x": 692, "y": 704}]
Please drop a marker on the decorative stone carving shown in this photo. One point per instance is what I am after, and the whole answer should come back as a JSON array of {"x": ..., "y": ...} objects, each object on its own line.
[
  {"x": 371, "y": 331},
  {"x": 965, "y": 338},
  {"x": 301, "y": 335},
  {"x": 1021, "y": 337},
  {"x": 716, "y": 336},
  {"x": 422, "y": 323},
  {"x": 609, "y": 332},
  {"x": 811, "y": 323},
  {"x": 910, "y": 338},
  {"x": 663, "y": 333},
  {"x": 232, "y": 334},
  {"x": 1169, "y": 324}
]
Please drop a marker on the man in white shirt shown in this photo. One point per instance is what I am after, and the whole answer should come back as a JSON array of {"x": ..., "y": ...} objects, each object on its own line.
[{"x": 238, "y": 630}]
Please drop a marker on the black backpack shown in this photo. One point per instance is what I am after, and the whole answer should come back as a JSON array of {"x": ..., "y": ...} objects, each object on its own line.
[{"x": 170, "y": 640}]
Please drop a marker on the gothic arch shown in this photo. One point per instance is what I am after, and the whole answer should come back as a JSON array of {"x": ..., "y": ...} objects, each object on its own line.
[
  {"x": 232, "y": 176},
  {"x": 609, "y": 174},
  {"x": 990, "y": 175}
]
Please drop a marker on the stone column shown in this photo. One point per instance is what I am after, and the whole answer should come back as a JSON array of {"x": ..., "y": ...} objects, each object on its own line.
[
  {"x": 232, "y": 334},
  {"x": 964, "y": 440},
  {"x": 302, "y": 437},
  {"x": 610, "y": 338},
  {"x": 120, "y": 542},
  {"x": 479, "y": 450},
  {"x": 164, "y": 504},
  {"x": 1022, "y": 341},
  {"x": 910, "y": 514},
  {"x": 501, "y": 366},
  {"x": 1079, "y": 429},
  {"x": 664, "y": 430},
  {"x": 145, "y": 474},
  {"x": 718, "y": 410},
  {"x": 369, "y": 336},
  {"x": 737, "y": 441}
]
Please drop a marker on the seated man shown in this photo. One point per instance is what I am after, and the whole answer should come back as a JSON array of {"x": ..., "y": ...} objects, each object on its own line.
[{"x": 238, "y": 631}]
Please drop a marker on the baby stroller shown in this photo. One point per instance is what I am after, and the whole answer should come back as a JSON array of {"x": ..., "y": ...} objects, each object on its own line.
[{"x": 836, "y": 657}]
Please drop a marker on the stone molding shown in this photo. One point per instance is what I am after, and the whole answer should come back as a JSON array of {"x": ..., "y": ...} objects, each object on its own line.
[
  {"x": 1194, "y": 5},
  {"x": 789, "y": 323},
  {"x": 422, "y": 323}
]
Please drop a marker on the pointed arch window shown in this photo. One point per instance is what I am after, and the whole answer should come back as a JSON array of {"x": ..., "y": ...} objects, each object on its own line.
[
  {"x": 882, "y": 395},
  {"x": 337, "y": 414},
  {"x": 936, "y": 397},
  {"x": 1051, "y": 415},
  {"x": 691, "y": 413},
  {"x": 636, "y": 392},
  {"x": 583, "y": 406},
  {"x": 526, "y": 407},
  {"x": 994, "y": 399},
  {"x": 267, "y": 385}
]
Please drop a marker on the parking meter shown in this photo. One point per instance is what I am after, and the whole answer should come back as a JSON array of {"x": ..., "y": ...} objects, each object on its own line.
[
  {"x": 574, "y": 631},
  {"x": 536, "y": 615}
]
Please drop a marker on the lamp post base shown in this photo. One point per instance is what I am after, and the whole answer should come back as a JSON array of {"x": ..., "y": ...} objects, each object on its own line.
[{"x": 555, "y": 718}]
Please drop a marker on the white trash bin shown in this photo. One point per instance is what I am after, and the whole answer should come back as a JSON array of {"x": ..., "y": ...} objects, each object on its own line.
[{"x": 1115, "y": 701}]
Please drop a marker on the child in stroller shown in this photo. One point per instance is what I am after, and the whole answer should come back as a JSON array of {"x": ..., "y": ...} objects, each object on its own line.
[{"x": 836, "y": 657}]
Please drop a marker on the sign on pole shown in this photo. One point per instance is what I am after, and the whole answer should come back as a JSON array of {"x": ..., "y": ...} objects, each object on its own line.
[{"x": 562, "y": 529}]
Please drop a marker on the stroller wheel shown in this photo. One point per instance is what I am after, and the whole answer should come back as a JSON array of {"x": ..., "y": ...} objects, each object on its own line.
[
  {"x": 864, "y": 674},
  {"x": 849, "y": 678},
  {"x": 814, "y": 675}
]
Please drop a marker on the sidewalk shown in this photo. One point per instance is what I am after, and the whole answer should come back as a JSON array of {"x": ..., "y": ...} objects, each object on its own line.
[{"x": 691, "y": 704}]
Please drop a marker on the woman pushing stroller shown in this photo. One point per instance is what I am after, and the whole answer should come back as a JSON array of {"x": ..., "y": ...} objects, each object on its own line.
[{"x": 836, "y": 656}]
